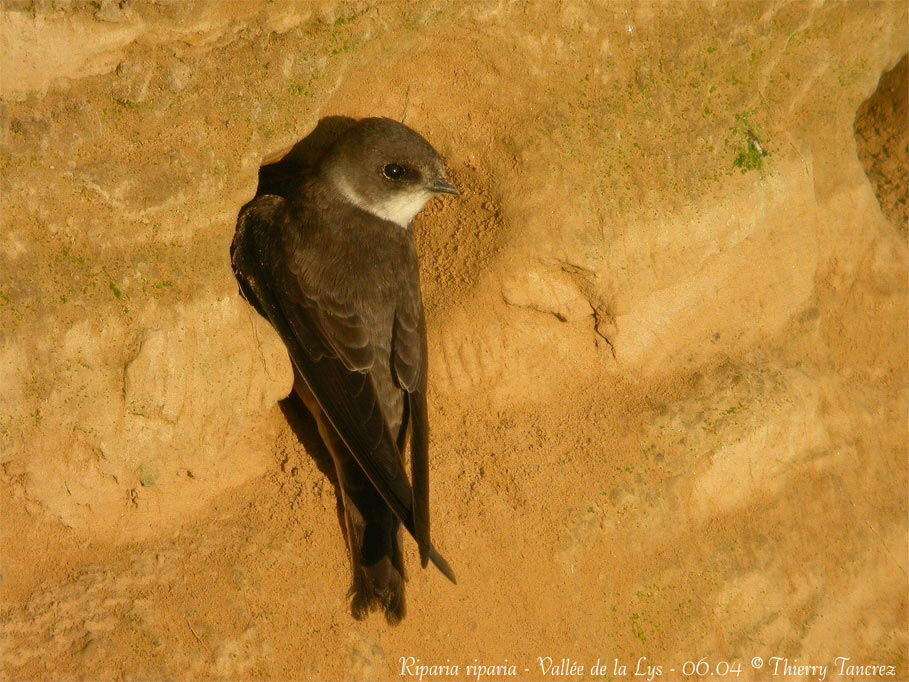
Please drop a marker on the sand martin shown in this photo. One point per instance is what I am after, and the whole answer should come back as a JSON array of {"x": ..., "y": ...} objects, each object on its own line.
[{"x": 332, "y": 265}]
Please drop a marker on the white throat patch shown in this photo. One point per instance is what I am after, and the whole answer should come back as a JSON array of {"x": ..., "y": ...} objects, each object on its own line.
[{"x": 400, "y": 208}]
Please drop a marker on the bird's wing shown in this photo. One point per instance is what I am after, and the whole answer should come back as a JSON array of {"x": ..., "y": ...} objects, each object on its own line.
[
  {"x": 408, "y": 347},
  {"x": 327, "y": 345}
]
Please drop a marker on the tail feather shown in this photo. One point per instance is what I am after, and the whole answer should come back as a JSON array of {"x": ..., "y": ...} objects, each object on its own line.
[
  {"x": 372, "y": 531},
  {"x": 378, "y": 584}
]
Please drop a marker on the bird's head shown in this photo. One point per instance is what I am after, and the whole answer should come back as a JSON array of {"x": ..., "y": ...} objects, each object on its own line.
[{"x": 387, "y": 169}]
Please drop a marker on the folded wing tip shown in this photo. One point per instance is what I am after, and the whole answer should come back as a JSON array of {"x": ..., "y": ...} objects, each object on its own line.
[{"x": 441, "y": 564}]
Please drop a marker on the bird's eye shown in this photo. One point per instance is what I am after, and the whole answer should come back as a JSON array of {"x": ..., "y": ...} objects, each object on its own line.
[{"x": 394, "y": 171}]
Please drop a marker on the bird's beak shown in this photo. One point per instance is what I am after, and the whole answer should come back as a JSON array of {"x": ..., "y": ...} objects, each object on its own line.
[{"x": 442, "y": 186}]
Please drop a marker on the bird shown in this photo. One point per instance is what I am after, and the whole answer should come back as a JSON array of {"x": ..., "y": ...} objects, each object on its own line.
[{"x": 332, "y": 265}]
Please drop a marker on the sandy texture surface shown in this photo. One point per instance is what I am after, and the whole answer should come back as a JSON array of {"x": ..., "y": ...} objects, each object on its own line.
[{"x": 667, "y": 326}]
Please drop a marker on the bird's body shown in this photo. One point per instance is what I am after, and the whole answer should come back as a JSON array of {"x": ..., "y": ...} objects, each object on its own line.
[{"x": 333, "y": 267}]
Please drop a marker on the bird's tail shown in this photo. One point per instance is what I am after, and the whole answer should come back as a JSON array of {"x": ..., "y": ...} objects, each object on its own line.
[{"x": 378, "y": 564}]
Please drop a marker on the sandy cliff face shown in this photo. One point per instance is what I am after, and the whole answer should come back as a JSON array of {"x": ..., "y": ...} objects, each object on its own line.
[{"x": 667, "y": 325}]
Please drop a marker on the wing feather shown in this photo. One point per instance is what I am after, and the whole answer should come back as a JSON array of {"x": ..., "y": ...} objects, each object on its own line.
[{"x": 409, "y": 362}]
